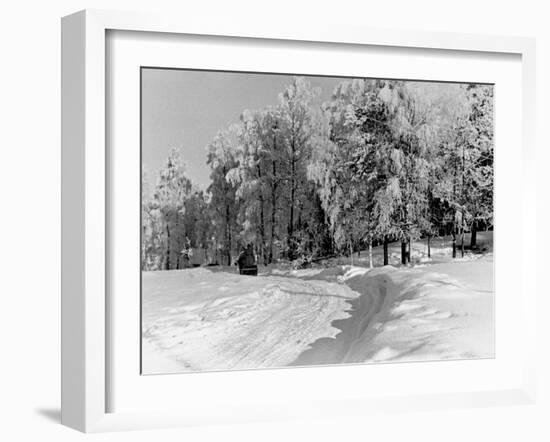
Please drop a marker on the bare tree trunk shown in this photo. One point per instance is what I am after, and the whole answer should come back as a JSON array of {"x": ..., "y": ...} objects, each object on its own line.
[
  {"x": 272, "y": 238},
  {"x": 462, "y": 241},
  {"x": 230, "y": 246},
  {"x": 463, "y": 201},
  {"x": 262, "y": 224},
  {"x": 409, "y": 250},
  {"x": 228, "y": 234},
  {"x": 403, "y": 251},
  {"x": 429, "y": 249},
  {"x": 473, "y": 235},
  {"x": 454, "y": 242},
  {"x": 386, "y": 260},
  {"x": 167, "y": 247},
  {"x": 370, "y": 254},
  {"x": 351, "y": 252},
  {"x": 291, "y": 220},
  {"x": 273, "y": 200}
]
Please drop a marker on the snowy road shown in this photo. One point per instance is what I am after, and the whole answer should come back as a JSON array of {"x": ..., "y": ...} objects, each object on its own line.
[{"x": 367, "y": 310}]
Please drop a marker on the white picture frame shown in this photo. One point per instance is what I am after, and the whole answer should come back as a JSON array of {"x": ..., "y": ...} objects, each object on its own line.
[{"x": 85, "y": 202}]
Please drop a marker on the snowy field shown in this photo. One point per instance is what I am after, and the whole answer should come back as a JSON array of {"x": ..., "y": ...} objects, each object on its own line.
[{"x": 206, "y": 319}]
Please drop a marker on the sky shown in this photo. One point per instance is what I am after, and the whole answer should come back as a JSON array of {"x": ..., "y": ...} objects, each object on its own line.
[{"x": 185, "y": 109}]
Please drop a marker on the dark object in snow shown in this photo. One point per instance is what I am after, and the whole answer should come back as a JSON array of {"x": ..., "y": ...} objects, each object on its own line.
[
  {"x": 303, "y": 262},
  {"x": 247, "y": 262}
]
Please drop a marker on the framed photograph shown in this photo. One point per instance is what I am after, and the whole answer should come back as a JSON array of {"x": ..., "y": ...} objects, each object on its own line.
[{"x": 270, "y": 223}]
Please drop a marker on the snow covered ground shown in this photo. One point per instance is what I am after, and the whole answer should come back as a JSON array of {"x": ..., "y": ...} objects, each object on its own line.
[
  {"x": 444, "y": 311},
  {"x": 207, "y": 319},
  {"x": 198, "y": 320}
]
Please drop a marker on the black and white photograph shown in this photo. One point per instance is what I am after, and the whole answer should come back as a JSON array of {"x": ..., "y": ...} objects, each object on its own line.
[{"x": 297, "y": 220}]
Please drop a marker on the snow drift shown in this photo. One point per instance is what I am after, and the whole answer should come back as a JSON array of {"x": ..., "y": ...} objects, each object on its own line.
[{"x": 413, "y": 314}]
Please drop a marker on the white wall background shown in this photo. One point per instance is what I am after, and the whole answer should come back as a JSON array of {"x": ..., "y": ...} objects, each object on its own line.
[{"x": 30, "y": 216}]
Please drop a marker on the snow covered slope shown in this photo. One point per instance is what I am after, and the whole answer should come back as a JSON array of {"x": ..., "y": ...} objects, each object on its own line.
[
  {"x": 445, "y": 311},
  {"x": 198, "y": 319},
  {"x": 413, "y": 314},
  {"x": 204, "y": 320}
]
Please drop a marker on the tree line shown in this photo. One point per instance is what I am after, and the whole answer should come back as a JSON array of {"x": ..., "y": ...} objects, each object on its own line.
[{"x": 381, "y": 161}]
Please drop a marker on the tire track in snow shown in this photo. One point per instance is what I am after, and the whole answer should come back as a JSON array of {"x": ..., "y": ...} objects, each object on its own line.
[{"x": 351, "y": 343}]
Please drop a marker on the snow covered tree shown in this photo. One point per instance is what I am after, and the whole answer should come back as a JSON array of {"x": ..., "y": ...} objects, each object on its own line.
[
  {"x": 408, "y": 118},
  {"x": 223, "y": 201},
  {"x": 381, "y": 161},
  {"x": 272, "y": 150},
  {"x": 465, "y": 181},
  {"x": 152, "y": 232},
  {"x": 297, "y": 124},
  {"x": 478, "y": 164},
  {"x": 341, "y": 167},
  {"x": 197, "y": 222},
  {"x": 250, "y": 179},
  {"x": 172, "y": 189}
]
